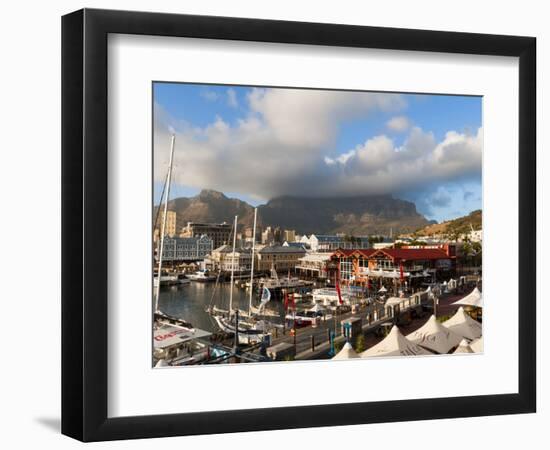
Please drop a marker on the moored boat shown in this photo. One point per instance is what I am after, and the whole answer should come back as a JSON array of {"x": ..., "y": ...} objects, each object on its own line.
[{"x": 201, "y": 275}]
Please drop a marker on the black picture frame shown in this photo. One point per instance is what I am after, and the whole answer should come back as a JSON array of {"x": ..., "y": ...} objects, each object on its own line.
[{"x": 84, "y": 224}]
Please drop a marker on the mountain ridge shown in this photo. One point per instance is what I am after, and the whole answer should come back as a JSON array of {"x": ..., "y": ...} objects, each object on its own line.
[{"x": 360, "y": 215}]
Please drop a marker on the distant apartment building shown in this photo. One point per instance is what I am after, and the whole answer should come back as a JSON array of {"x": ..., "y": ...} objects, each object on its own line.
[
  {"x": 331, "y": 243},
  {"x": 279, "y": 257},
  {"x": 289, "y": 235},
  {"x": 219, "y": 232},
  {"x": 179, "y": 249},
  {"x": 380, "y": 245},
  {"x": 314, "y": 265},
  {"x": 267, "y": 236},
  {"x": 476, "y": 235},
  {"x": 170, "y": 227}
]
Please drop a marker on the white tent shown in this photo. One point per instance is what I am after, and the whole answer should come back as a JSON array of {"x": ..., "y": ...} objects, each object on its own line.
[
  {"x": 477, "y": 345},
  {"x": 395, "y": 344},
  {"x": 347, "y": 352},
  {"x": 434, "y": 336},
  {"x": 474, "y": 298},
  {"x": 382, "y": 289},
  {"x": 463, "y": 325},
  {"x": 463, "y": 347}
]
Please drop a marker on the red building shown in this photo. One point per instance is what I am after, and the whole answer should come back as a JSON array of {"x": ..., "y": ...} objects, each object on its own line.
[{"x": 407, "y": 267}]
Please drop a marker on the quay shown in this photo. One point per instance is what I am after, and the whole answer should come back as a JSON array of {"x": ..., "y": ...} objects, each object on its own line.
[{"x": 314, "y": 342}]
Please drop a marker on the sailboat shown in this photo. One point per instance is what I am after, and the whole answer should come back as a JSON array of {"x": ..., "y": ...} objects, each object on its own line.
[
  {"x": 175, "y": 340},
  {"x": 249, "y": 331},
  {"x": 266, "y": 294}
]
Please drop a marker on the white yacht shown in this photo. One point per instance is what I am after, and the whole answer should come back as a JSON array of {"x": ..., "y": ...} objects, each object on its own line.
[{"x": 201, "y": 275}]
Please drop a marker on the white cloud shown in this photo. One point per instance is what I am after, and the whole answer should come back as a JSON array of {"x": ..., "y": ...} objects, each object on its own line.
[
  {"x": 285, "y": 146},
  {"x": 398, "y": 124},
  {"x": 232, "y": 98},
  {"x": 211, "y": 96},
  {"x": 379, "y": 166},
  {"x": 310, "y": 118}
]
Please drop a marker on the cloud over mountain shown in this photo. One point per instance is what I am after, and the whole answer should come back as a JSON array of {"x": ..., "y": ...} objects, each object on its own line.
[{"x": 285, "y": 144}]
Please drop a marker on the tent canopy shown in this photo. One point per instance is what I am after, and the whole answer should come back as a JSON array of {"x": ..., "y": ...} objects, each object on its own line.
[
  {"x": 347, "y": 352},
  {"x": 434, "y": 336},
  {"x": 463, "y": 325},
  {"x": 463, "y": 347},
  {"x": 477, "y": 345},
  {"x": 474, "y": 298},
  {"x": 395, "y": 344}
]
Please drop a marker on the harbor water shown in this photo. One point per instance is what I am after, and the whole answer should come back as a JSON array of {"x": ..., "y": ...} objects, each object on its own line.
[{"x": 189, "y": 302}]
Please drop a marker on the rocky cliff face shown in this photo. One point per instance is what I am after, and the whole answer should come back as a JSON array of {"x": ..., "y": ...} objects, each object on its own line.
[{"x": 353, "y": 215}]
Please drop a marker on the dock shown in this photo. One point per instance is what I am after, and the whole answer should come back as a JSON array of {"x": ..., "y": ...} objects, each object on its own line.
[{"x": 313, "y": 342}]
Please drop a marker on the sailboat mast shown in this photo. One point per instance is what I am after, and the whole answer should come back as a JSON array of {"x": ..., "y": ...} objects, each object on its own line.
[
  {"x": 232, "y": 266},
  {"x": 163, "y": 226},
  {"x": 252, "y": 264}
]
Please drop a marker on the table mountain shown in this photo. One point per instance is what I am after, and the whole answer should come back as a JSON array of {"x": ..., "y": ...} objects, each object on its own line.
[{"x": 351, "y": 215}]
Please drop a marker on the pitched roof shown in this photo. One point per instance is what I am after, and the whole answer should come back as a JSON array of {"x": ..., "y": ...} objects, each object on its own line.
[
  {"x": 365, "y": 252},
  {"x": 281, "y": 249}
]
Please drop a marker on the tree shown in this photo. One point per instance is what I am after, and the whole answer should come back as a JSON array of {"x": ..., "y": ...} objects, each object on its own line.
[{"x": 360, "y": 344}]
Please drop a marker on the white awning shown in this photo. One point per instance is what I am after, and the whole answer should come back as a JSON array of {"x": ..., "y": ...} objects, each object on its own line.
[
  {"x": 463, "y": 325},
  {"x": 347, "y": 352},
  {"x": 477, "y": 345},
  {"x": 434, "y": 336},
  {"x": 474, "y": 298},
  {"x": 395, "y": 344},
  {"x": 463, "y": 347}
]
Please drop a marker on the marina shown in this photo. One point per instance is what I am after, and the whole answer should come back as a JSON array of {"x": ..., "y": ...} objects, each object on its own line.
[
  {"x": 320, "y": 337},
  {"x": 278, "y": 296}
]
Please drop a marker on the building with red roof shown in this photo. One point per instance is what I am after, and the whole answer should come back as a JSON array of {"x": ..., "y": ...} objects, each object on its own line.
[{"x": 407, "y": 266}]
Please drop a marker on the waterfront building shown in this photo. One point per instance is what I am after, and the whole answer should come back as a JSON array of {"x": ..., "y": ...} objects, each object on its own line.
[
  {"x": 219, "y": 232},
  {"x": 331, "y": 243},
  {"x": 279, "y": 257},
  {"x": 223, "y": 258},
  {"x": 411, "y": 264},
  {"x": 314, "y": 265},
  {"x": 296, "y": 245},
  {"x": 177, "y": 249}
]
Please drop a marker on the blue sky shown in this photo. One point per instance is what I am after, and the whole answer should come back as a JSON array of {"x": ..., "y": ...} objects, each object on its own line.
[{"x": 257, "y": 143}]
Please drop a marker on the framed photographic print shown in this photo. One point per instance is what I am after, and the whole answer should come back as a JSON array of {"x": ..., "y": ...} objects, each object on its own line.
[{"x": 273, "y": 224}]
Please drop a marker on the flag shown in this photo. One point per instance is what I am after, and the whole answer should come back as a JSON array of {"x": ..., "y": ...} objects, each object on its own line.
[
  {"x": 290, "y": 300},
  {"x": 338, "y": 287},
  {"x": 339, "y": 293},
  {"x": 266, "y": 295}
]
